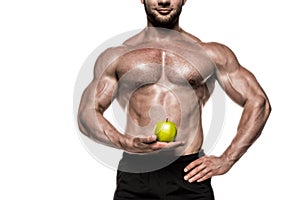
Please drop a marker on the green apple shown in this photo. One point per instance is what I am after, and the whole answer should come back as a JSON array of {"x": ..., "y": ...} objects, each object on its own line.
[{"x": 165, "y": 131}]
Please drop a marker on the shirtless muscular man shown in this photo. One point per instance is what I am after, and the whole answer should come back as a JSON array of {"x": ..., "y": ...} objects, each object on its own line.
[{"x": 165, "y": 72}]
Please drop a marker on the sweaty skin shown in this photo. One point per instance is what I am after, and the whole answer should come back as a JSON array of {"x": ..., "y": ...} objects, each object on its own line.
[{"x": 159, "y": 74}]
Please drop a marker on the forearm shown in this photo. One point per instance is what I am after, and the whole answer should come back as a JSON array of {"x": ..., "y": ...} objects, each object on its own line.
[
  {"x": 95, "y": 126},
  {"x": 252, "y": 122}
]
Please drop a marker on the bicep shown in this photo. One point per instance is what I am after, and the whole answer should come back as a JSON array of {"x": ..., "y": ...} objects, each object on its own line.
[
  {"x": 102, "y": 89},
  {"x": 240, "y": 85},
  {"x": 105, "y": 92},
  {"x": 100, "y": 92}
]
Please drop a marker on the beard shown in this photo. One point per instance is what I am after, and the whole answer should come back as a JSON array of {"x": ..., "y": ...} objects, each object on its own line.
[{"x": 162, "y": 21}]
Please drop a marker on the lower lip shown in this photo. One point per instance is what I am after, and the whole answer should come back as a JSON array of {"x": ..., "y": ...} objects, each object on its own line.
[{"x": 164, "y": 12}]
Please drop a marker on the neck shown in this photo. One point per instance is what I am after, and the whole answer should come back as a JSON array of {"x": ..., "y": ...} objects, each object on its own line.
[
  {"x": 174, "y": 27},
  {"x": 162, "y": 35}
]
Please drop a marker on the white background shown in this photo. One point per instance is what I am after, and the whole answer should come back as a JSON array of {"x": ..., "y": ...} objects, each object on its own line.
[{"x": 42, "y": 47}]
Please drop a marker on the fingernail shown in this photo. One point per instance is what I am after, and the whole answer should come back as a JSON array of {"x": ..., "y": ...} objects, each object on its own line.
[
  {"x": 191, "y": 180},
  {"x": 186, "y": 178},
  {"x": 185, "y": 170}
]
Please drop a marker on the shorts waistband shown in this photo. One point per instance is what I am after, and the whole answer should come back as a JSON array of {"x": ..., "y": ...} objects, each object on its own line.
[
  {"x": 189, "y": 157},
  {"x": 143, "y": 163}
]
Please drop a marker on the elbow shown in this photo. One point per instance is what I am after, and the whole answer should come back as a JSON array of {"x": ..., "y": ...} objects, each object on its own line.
[
  {"x": 82, "y": 123},
  {"x": 263, "y": 103},
  {"x": 268, "y": 107}
]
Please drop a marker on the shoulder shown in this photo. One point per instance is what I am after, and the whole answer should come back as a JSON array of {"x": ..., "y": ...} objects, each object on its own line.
[
  {"x": 107, "y": 60},
  {"x": 217, "y": 52},
  {"x": 221, "y": 55}
]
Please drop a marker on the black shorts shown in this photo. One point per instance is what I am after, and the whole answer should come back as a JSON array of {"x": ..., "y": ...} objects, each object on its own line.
[{"x": 165, "y": 184}]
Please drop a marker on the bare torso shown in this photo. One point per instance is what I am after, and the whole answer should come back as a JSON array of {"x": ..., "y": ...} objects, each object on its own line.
[
  {"x": 160, "y": 81},
  {"x": 170, "y": 75}
]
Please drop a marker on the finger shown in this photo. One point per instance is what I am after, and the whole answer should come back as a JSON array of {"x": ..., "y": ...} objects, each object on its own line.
[
  {"x": 205, "y": 177},
  {"x": 148, "y": 139},
  {"x": 159, "y": 145},
  {"x": 200, "y": 175},
  {"x": 192, "y": 165},
  {"x": 164, "y": 146},
  {"x": 196, "y": 170},
  {"x": 175, "y": 144},
  {"x": 148, "y": 144},
  {"x": 140, "y": 146}
]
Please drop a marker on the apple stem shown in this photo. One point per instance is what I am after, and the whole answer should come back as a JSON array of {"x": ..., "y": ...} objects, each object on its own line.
[{"x": 167, "y": 119}]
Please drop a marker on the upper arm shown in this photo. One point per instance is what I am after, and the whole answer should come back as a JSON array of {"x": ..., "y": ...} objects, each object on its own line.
[
  {"x": 100, "y": 92},
  {"x": 238, "y": 83}
]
